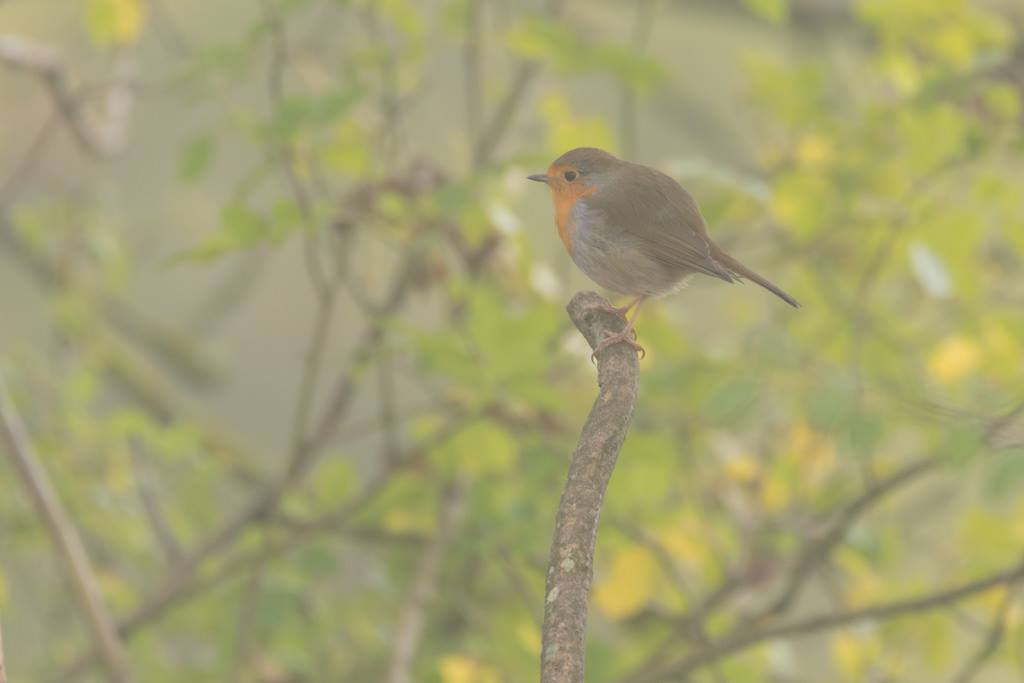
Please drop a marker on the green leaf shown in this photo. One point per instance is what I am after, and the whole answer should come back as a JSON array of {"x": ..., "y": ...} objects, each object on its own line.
[
  {"x": 115, "y": 22},
  {"x": 334, "y": 480},
  {"x": 961, "y": 442},
  {"x": 243, "y": 228},
  {"x": 557, "y": 44},
  {"x": 832, "y": 404},
  {"x": 299, "y": 113},
  {"x": 731, "y": 400},
  {"x": 862, "y": 433},
  {"x": 775, "y": 11},
  {"x": 1006, "y": 475},
  {"x": 196, "y": 157},
  {"x": 484, "y": 447}
]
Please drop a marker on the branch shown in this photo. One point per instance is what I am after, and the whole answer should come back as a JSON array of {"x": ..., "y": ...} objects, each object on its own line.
[
  {"x": 990, "y": 644},
  {"x": 495, "y": 129},
  {"x": 28, "y": 55},
  {"x": 410, "y": 623},
  {"x": 3, "y": 669},
  {"x": 745, "y": 638},
  {"x": 172, "y": 348},
  {"x": 570, "y": 568},
  {"x": 185, "y": 584},
  {"x": 65, "y": 538},
  {"x": 817, "y": 549},
  {"x": 44, "y": 63},
  {"x": 148, "y": 491}
]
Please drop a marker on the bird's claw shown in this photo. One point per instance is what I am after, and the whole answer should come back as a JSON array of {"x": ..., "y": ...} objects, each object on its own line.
[{"x": 627, "y": 336}]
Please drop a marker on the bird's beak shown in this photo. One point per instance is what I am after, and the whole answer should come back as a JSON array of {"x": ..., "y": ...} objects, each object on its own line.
[{"x": 539, "y": 177}]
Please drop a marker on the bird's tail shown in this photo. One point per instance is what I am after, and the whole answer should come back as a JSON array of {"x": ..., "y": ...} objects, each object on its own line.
[{"x": 742, "y": 271}]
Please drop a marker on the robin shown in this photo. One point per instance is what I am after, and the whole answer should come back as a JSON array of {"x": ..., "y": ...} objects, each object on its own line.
[{"x": 635, "y": 231}]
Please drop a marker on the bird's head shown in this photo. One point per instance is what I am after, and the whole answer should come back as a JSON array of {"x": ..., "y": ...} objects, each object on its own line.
[{"x": 577, "y": 173}]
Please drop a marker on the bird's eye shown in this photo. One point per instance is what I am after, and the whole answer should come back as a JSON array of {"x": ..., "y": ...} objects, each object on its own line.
[{"x": 570, "y": 175}]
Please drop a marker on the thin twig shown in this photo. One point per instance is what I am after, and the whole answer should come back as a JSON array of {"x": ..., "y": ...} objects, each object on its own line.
[
  {"x": 570, "y": 567},
  {"x": 472, "y": 64},
  {"x": 175, "y": 349},
  {"x": 643, "y": 24},
  {"x": 494, "y": 131},
  {"x": 811, "y": 556},
  {"x": 744, "y": 638},
  {"x": 33, "y": 154},
  {"x": 66, "y": 539},
  {"x": 3, "y": 667},
  {"x": 185, "y": 584},
  {"x": 990, "y": 644},
  {"x": 146, "y": 485},
  {"x": 246, "y": 629},
  {"x": 44, "y": 63},
  {"x": 817, "y": 549},
  {"x": 411, "y": 622}
]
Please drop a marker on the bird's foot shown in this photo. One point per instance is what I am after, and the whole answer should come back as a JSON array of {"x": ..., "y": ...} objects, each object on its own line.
[
  {"x": 620, "y": 311},
  {"x": 627, "y": 336}
]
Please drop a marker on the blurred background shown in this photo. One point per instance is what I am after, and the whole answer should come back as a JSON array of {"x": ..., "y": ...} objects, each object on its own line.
[{"x": 283, "y": 324}]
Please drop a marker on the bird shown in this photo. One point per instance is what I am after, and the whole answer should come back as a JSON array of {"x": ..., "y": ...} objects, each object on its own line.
[{"x": 635, "y": 231}]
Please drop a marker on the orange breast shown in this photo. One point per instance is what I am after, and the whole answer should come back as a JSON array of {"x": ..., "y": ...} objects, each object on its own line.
[
  {"x": 563, "y": 218},
  {"x": 565, "y": 199}
]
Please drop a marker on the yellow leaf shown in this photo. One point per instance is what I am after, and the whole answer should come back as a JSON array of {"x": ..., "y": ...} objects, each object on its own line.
[
  {"x": 1002, "y": 349},
  {"x": 1017, "y": 525},
  {"x": 686, "y": 548},
  {"x": 1015, "y": 615},
  {"x": 954, "y": 44},
  {"x": 935, "y": 633},
  {"x": 347, "y": 150},
  {"x": 863, "y": 584},
  {"x": 629, "y": 585},
  {"x": 955, "y": 358},
  {"x": 774, "y": 11},
  {"x": 1003, "y": 101},
  {"x": 902, "y": 70},
  {"x": 775, "y": 493},
  {"x": 115, "y": 22},
  {"x": 463, "y": 669},
  {"x": 853, "y": 654},
  {"x": 815, "y": 453},
  {"x": 457, "y": 669},
  {"x": 401, "y": 520},
  {"x": 743, "y": 468},
  {"x": 814, "y": 150},
  {"x": 529, "y": 637},
  {"x": 566, "y": 131}
]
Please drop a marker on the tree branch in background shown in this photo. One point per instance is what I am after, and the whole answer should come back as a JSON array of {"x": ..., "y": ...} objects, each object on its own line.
[
  {"x": 818, "y": 547},
  {"x": 643, "y": 25},
  {"x": 570, "y": 567},
  {"x": 182, "y": 586},
  {"x": 410, "y": 624},
  {"x": 174, "y": 349},
  {"x": 43, "y": 62},
  {"x": 65, "y": 538},
  {"x": 990, "y": 644},
  {"x": 3, "y": 668},
  {"x": 746, "y": 636},
  {"x": 494, "y": 130}
]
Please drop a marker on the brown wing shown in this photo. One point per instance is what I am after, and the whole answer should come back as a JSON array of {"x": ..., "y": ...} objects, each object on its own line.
[{"x": 661, "y": 217}]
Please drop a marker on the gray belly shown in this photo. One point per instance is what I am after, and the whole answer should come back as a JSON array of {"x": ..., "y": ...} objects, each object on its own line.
[{"x": 621, "y": 267}]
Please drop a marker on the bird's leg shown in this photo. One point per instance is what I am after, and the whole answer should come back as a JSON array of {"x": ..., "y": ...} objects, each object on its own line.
[
  {"x": 627, "y": 335},
  {"x": 621, "y": 311}
]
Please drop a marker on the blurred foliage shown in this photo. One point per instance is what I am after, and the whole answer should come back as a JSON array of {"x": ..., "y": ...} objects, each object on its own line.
[{"x": 884, "y": 193}]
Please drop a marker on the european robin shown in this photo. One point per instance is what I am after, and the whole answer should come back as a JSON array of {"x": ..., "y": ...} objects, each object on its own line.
[{"x": 635, "y": 231}]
